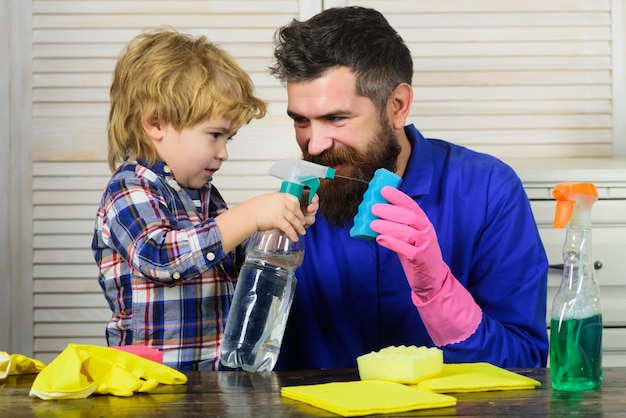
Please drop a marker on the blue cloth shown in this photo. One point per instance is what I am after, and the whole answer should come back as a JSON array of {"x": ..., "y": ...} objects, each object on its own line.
[{"x": 352, "y": 296}]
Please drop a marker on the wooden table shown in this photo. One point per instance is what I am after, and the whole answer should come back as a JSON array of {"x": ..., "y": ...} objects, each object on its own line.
[{"x": 240, "y": 394}]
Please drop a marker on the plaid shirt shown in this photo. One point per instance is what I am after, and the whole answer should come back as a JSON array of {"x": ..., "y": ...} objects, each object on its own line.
[{"x": 163, "y": 271}]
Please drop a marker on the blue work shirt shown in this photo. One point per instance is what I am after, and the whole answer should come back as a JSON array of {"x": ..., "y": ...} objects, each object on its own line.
[{"x": 352, "y": 296}]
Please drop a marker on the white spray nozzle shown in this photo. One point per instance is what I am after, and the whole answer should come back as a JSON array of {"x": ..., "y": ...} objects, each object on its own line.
[{"x": 299, "y": 173}]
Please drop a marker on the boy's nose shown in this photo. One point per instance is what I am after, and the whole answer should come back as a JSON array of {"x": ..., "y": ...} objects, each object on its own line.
[{"x": 222, "y": 153}]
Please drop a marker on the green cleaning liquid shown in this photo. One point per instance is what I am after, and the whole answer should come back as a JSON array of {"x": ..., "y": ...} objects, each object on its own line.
[{"x": 576, "y": 353}]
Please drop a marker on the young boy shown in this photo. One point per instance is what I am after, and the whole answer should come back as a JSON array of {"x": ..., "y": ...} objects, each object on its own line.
[{"x": 167, "y": 248}]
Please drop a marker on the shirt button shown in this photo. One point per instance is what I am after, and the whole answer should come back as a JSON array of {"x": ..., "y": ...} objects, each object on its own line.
[
  {"x": 210, "y": 256},
  {"x": 167, "y": 169},
  {"x": 176, "y": 276}
]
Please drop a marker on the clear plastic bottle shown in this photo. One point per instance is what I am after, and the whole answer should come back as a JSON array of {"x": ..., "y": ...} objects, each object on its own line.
[
  {"x": 261, "y": 303},
  {"x": 576, "y": 320},
  {"x": 267, "y": 283}
]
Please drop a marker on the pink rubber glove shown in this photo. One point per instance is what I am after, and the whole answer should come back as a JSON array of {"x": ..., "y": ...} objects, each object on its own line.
[{"x": 448, "y": 310}]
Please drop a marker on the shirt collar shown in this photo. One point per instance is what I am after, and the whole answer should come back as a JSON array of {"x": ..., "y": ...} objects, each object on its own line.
[
  {"x": 163, "y": 170},
  {"x": 418, "y": 175},
  {"x": 158, "y": 167}
]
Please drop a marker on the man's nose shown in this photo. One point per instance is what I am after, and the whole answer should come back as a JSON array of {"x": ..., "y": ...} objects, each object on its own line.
[{"x": 319, "y": 140}]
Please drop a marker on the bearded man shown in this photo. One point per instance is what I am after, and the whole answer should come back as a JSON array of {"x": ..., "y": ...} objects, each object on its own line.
[{"x": 457, "y": 263}]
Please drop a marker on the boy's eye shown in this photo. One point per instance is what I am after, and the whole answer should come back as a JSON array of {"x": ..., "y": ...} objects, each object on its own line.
[{"x": 217, "y": 136}]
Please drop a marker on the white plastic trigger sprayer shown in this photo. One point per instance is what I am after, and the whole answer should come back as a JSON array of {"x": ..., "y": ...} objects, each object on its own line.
[
  {"x": 299, "y": 173},
  {"x": 266, "y": 283}
]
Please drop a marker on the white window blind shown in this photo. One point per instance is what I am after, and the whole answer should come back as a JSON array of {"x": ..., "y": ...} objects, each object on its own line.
[
  {"x": 515, "y": 78},
  {"x": 75, "y": 46}
]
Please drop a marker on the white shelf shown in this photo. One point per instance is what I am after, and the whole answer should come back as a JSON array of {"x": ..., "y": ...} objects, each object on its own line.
[{"x": 553, "y": 170}]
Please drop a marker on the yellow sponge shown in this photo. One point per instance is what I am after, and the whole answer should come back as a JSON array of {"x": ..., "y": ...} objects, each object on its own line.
[{"x": 401, "y": 364}]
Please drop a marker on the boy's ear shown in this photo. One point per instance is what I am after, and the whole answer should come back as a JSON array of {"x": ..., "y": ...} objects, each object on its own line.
[{"x": 152, "y": 127}]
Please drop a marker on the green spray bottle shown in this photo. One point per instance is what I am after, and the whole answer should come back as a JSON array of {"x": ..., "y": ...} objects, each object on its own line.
[
  {"x": 576, "y": 320},
  {"x": 266, "y": 283}
]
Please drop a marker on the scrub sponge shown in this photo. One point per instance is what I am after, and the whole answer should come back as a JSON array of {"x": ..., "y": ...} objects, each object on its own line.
[
  {"x": 364, "y": 216},
  {"x": 401, "y": 364}
]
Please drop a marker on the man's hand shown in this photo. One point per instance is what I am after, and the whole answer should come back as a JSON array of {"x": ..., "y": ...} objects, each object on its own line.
[
  {"x": 404, "y": 228},
  {"x": 446, "y": 307}
]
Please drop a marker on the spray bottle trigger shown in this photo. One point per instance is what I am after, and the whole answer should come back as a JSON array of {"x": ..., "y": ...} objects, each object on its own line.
[
  {"x": 313, "y": 184},
  {"x": 563, "y": 213}
]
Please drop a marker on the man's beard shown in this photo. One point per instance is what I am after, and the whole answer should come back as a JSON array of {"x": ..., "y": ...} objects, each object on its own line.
[{"x": 340, "y": 197}]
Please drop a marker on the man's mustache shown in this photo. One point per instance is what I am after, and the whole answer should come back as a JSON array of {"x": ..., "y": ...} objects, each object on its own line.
[{"x": 333, "y": 158}]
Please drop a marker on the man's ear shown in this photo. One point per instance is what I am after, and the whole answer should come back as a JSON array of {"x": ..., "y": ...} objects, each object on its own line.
[
  {"x": 399, "y": 105},
  {"x": 152, "y": 127}
]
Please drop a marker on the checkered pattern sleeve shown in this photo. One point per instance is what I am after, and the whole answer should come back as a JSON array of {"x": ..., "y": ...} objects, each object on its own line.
[{"x": 162, "y": 267}]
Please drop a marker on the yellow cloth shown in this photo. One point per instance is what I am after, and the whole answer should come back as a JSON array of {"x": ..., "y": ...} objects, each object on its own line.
[
  {"x": 367, "y": 397},
  {"x": 18, "y": 364},
  {"x": 5, "y": 364},
  {"x": 81, "y": 370},
  {"x": 476, "y": 377}
]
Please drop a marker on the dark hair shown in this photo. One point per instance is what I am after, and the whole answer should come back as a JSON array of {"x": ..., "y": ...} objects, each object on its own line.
[{"x": 356, "y": 37}]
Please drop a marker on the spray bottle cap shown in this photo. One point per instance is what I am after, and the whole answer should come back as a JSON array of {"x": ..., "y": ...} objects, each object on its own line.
[
  {"x": 299, "y": 173},
  {"x": 574, "y": 201}
]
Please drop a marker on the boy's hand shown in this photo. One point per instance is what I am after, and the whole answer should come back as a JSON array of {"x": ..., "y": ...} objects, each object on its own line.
[
  {"x": 310, "y": 210},
  {"x": 281, "y": 211},
  {"x": 269, "y": 211}
]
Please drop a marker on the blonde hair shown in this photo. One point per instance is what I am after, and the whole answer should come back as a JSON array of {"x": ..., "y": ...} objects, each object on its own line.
[{"x": 179, "y": 80}]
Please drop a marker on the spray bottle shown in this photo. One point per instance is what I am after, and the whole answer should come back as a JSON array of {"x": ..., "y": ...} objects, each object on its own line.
[
  {"x": 576, "y": 321},
  {"x": 266, "y": 283}
]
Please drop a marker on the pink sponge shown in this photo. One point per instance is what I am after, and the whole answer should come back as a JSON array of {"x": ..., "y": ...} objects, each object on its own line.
[{"x": 142, "y": 351}]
